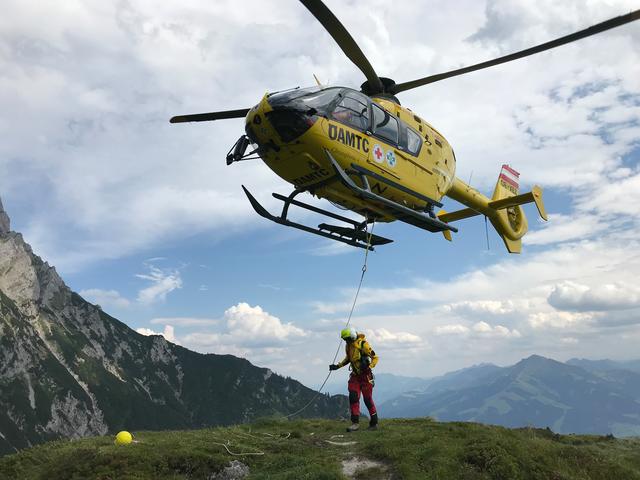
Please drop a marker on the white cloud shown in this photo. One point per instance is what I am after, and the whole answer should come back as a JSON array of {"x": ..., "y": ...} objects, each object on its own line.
[
  {"x": 254, "y": 325},
  {"x": 619, "y": 196},
  {"x": 456, "y": 329},
  {"x": 167, "y": 333},
  {"x": 493, "y": 307},
  {"x": 483, "y": 328},
  {"x": 243, "y": 330},
  {"x": 563, "y": 228},
  {"x": 389, "y": 340},
  {"x": 105, "y": 298},
  {"x": 184, "y": 321},
  {"x": 573, "y": 296},
  {"x": 162, "y": 283},
  {"x": 562, "y": 320}
]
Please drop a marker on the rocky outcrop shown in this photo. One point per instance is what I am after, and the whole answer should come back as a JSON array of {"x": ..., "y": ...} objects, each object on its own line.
[
  {"x": 5, "y": 224},
  {"x": 69, "y": 370}
]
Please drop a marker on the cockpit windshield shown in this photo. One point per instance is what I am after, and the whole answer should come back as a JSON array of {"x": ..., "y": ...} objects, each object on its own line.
[{"x": 318, "y": 98}]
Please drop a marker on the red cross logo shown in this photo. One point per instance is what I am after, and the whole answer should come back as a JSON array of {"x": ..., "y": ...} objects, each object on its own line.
[{"x": 378, "y": 154}]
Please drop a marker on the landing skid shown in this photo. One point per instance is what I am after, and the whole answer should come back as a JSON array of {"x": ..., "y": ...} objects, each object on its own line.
[{"x": 356, "y": 235}]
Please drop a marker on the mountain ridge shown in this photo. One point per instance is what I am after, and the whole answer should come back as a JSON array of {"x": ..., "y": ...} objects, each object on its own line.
[
  {"x": 535, "y": 391},
  {"x": 69, "y": 370}
]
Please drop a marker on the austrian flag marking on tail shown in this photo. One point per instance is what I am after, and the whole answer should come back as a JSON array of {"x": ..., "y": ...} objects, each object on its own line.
[{"x": 510, "y": 177}]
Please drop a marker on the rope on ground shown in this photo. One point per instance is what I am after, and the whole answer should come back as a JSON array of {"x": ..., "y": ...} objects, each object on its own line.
[
  {"x": 240, "y": 454},
  {"x": 270, "y": 436},
  {"x": 353, "y": 306}
]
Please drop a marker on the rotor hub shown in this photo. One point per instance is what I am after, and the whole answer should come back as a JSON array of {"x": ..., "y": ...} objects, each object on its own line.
[{"x": 388, "y": 86}]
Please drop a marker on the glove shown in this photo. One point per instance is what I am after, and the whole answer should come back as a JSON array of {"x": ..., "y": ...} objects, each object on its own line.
[{"x": 333, "y": 367}]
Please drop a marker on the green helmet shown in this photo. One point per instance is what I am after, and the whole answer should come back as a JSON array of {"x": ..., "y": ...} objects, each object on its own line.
[{"x": 348, "y": 334}]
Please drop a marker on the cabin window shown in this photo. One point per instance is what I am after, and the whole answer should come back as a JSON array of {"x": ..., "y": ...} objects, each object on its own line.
[
  {"x": 414, "y": 141},
  {"x": 320, "y": 101},
  {"x": 353, "y": 111},
  {"x": 384, "y": 125}
]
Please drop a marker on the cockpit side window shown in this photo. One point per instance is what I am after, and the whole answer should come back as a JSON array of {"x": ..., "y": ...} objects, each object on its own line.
[
  {"x": 320, "y": 101},
  {"x": 385, "y": 125},
  {"x": 352, "y": 111},
  {"x": 414, "y": 142}
]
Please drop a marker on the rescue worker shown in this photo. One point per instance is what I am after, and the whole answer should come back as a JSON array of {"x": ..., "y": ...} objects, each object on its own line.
[{"x": 362, "y": 359}]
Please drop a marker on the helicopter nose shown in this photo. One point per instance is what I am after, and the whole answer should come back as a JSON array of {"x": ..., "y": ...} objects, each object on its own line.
[
  {"x": 290, "y": 123},
  {"x": 280, "y": 124}
]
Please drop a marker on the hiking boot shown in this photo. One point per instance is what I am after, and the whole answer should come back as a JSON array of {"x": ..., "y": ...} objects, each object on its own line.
[
  {"x": 373, "y": 422},
  {"x": 353, "y": 427}
]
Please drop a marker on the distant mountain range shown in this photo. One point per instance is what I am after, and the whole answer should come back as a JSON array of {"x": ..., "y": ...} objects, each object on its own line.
[
  {"x": 69, "y": 370},
  {"x": 387, "y": 385},
  {"x": 580, "y": 396}
]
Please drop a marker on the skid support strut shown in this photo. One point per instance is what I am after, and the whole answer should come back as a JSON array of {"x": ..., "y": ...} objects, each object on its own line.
[{"x": 356, "y": 235}]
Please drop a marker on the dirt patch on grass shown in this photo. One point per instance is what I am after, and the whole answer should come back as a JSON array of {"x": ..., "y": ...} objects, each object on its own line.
[{"x": 361, "y": 468}]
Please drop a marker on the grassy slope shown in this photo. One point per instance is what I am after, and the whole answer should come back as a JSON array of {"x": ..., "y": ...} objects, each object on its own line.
[{"x": 412, "y": 449}]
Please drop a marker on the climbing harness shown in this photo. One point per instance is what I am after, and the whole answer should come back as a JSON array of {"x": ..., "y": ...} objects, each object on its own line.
[{"x": 353, "y": 306}]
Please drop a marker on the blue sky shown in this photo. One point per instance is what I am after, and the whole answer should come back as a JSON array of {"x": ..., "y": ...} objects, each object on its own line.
[{"x": 145, "y": 218}]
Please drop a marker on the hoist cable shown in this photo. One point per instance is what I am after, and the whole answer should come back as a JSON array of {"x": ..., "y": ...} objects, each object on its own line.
[{"x": 353, "y": 306}]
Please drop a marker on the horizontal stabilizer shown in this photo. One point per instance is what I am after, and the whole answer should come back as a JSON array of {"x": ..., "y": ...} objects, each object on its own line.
[
  {"x": 457, "y": 215},
  {"x": 535, "y": 196}
]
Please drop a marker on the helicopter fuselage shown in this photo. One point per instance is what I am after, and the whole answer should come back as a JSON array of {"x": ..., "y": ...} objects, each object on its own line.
[{"x": 294, "y": 130}]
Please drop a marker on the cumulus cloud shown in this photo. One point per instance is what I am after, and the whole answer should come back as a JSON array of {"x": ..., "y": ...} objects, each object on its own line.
[
  {"x": 479, "y": 328},
  {"x": 390, "y": 340},
  {"x": 456, "y": 329},
  {"x": 168, "y": 333},
  {"x": 559, "y": 320},
  {"x": 243, "y": 329},
  {"x": 255, "y": 325},
  {"x": 563, "y": 228},
  {"x": 573, "y": 296},
  {"x": 162, "y": 283},
  {"x": 483, "y": 328},
  {"x": 493, "y": 307},
  {"x": 105, "y": 298}
]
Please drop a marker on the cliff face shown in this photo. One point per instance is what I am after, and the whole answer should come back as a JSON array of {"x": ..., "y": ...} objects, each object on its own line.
[
  {"x": 69, "y": 370},
  {"x": 5, "y": 226}
]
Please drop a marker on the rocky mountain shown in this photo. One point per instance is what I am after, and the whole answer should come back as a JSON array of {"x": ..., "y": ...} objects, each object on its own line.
[
  {"x": 69, "y": 370},
  {"x": 536, "y": 391}
]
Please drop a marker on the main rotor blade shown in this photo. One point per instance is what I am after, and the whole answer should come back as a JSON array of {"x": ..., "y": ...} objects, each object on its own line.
[
  {"x": 344, "y": 40},
  {"x": 205, "y": 117},
  {"x": 600, "y": 27}
]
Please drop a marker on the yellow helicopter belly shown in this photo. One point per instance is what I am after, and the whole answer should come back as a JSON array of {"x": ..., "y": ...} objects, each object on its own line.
[{"x": 305, "y": 164}]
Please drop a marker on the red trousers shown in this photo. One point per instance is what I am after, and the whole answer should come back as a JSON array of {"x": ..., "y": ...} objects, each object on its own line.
[{"x": 361, "y": 384}]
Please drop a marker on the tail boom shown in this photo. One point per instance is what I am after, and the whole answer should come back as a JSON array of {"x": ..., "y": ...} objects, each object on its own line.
[{"x": 504, "y": 209}]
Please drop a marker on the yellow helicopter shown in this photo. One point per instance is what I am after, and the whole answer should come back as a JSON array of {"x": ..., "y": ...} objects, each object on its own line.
[{"x": 363, "y": 151}]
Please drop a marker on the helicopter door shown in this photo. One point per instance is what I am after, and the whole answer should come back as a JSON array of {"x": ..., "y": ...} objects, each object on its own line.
[
  {"x": 348, "y": 128},
  {"x": 385, "y": 141}
]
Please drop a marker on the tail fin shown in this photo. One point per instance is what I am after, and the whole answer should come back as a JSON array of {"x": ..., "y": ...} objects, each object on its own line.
[
  {"x": 504, "y": 209},
  {"x": 509, "y": 220},
  {"x": 513, "y": 218}
]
